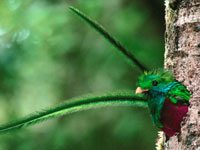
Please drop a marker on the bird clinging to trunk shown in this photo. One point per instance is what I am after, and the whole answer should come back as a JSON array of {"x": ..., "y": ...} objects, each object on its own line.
[{"x": 168, "y": 99}]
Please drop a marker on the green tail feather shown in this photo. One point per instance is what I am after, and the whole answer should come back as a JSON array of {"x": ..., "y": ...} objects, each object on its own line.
[
  {"x": 110, "y": 38},
  {"x": 76, "y": 105}
]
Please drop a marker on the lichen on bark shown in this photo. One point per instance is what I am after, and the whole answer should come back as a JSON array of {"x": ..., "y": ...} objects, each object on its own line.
[{"x": 182, "y": 56}]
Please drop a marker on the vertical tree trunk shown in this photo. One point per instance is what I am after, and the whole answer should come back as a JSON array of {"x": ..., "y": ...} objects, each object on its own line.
[{"x": 182, "y": 56}]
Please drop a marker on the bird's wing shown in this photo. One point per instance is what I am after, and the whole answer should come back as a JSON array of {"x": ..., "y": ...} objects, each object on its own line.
[{"x": 178, "y": 93}]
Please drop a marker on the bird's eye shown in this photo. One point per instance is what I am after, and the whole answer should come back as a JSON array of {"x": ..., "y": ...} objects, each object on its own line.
[{"x": 154, "y": 83}]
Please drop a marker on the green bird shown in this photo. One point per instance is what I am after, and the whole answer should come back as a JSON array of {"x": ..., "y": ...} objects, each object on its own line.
[{"x": 168, "y": 99}]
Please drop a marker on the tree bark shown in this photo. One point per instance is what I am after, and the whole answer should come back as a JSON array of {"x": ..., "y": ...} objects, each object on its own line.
[{"x": 182, "y": 56}]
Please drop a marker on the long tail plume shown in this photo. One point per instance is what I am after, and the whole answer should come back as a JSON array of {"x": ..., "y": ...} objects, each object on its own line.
[
  {"x": 110, "y": 38},
  {"x": 76, "y": 105}
]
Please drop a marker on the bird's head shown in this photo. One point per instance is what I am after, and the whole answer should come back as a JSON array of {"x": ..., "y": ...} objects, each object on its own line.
[{"x": 149, "y": 80}]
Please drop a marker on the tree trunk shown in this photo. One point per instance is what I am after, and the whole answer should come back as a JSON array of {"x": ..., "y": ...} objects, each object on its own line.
[{"x": 182, "y": 56}]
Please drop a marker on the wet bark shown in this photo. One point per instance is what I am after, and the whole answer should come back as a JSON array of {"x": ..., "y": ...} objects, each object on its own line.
[{"x": 182, "y": 56}]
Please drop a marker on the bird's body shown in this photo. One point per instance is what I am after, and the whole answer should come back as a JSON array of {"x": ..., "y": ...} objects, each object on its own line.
[
  {"x": 173, "y": 112},
  {"x": 168, "y": 100}
]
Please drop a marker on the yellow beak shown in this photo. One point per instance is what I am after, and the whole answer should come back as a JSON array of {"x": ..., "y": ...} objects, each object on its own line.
[{"x": 139, "y": 90}]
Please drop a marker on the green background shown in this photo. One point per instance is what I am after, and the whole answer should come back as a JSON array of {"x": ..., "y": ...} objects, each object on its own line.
[{"x": 47, "y": 54}]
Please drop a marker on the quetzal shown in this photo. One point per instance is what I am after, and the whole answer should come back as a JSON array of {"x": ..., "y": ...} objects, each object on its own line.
[{"x": 168, "y": 99}]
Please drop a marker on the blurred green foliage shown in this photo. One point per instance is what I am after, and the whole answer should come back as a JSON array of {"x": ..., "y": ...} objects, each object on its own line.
[{"x": 47, "y": 54}]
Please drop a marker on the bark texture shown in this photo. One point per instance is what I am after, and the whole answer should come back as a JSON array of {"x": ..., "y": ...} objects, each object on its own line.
[{"x": 182, "y": 56}]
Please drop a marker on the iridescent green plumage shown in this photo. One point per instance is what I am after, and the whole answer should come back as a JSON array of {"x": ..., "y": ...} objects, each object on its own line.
[{"x": 159, "y": 86}]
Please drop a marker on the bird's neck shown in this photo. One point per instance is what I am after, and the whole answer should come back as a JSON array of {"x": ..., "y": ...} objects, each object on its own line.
[{"x": 161, "y": 89}]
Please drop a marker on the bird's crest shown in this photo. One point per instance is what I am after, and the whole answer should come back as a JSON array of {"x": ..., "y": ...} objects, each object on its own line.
[
  {"x": 149, "y": 79},
  {"x": 166, "y": 75}
]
